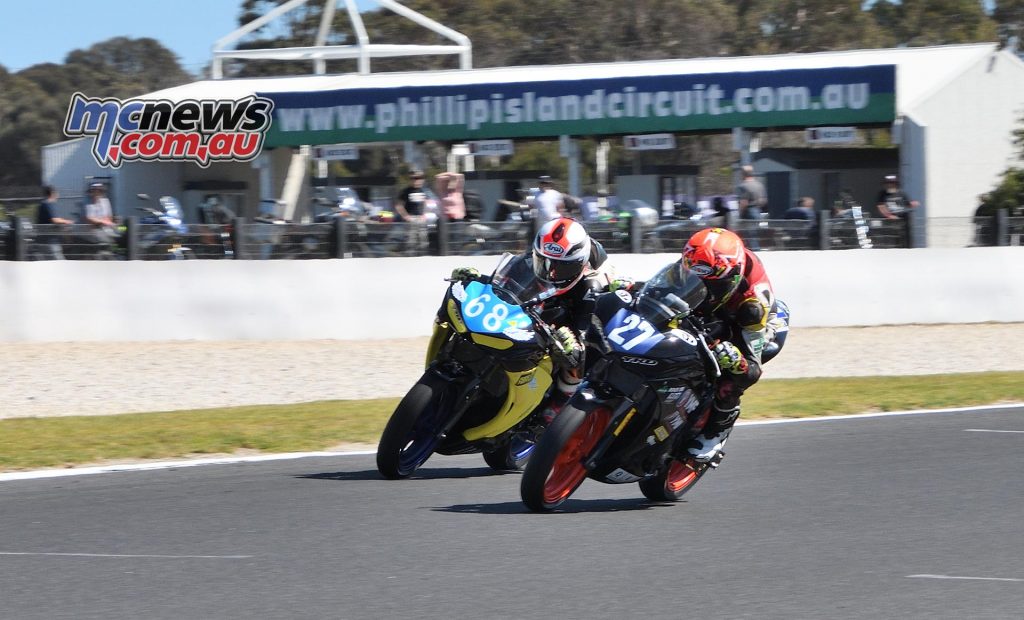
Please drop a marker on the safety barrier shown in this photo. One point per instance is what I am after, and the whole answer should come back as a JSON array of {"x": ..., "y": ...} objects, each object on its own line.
[{"x": 380, "y": 298}]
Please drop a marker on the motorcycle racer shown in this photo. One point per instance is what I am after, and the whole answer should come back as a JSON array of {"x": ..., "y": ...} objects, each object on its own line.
[
  {"x": 741, "y": 298},
  {"x": 567, "y": 258}
]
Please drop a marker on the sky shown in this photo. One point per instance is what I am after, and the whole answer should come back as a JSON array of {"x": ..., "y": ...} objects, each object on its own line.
[{"x": 38, "y": 31}]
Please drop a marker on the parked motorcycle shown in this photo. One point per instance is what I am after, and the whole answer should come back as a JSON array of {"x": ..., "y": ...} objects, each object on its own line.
[
  {"x": 487, "y": 373},
  {"x": 162, "y": 230},
  {"x": 639, "y": 406}
]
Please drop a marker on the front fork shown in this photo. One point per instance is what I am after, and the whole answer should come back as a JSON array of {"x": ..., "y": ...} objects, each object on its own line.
[
  {"x": 440, "y": 335},
  {"x": 620, "y": 418}
]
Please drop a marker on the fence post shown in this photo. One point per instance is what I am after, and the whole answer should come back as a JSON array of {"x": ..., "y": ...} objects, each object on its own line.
[
  {"x": 636, "y": 233},
  {"x": 824, "y": 240},
  {"x": 909, "y": 226},
  {"x": 17, "y": 238},
  {"x": 340, "y": 238},
  {"x": 730, "y": 219},
  {"x": 1001, "y": 228},
  {"x": 238, "y": 238},
  {"x": 131, "y": 237},
  {"x": 442, "y": 235}
]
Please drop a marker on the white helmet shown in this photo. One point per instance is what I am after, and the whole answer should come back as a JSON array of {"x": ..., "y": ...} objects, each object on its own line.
[{"x": 560, "y": 253}]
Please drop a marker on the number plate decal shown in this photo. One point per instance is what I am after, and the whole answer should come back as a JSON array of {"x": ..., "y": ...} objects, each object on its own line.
[
  {"x": 485, "y": 313},
  {"x": 631, "y": 333}
]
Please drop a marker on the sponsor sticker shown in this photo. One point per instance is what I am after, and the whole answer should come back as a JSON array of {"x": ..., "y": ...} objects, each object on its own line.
[
  {"x": 624, "y": 296},
  {"x": 702, "y": 270},
  {"x": 519, "y": 335},
  {"x": 554, "y": 248}
]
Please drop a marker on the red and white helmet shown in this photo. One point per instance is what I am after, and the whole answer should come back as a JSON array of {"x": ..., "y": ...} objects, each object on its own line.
[{"x": 560, "y": 253}]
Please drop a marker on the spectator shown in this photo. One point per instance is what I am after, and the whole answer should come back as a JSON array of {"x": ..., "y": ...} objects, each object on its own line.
[
  {"x": 803, "y": 210},
  {"x": 892, "y": 202},
  {"x": 100, "y": 214},
  {"x": 450, "y": 187},
  {"x": 751, "y": 194},
  {"x": 45, "y": 217},
  {"x": 410, "y": 209},
  {"x": 752, "y": 198},
  {"x": 550, "y": 202}
]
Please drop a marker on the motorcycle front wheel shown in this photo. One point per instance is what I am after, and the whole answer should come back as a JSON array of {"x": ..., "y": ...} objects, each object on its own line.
[
  {"x": 411, "y": 436},
  {"x": 555, "y": 468},
  {"x": 676, "y": 479}
]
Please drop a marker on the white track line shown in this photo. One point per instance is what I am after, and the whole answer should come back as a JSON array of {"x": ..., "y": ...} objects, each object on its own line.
[
  {"x": 965, "y": 578},
  {"x": 881, "y": 414},
  {"x": 127, "y": 555},
  {"x": 106, "y": 469},
  {"x": 988, "y": 430}
]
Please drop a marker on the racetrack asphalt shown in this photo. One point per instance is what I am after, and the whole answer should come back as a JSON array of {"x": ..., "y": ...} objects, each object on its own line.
[{"x": 915, "y": 516}]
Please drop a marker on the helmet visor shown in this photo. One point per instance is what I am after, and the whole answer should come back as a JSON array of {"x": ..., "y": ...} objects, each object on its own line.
[
  {"x": 721, "y": 289},
  {"x": 557, "y": 272}
]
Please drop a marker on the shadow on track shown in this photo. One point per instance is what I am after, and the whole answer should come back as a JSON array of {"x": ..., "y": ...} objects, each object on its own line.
[
  {"x": 440, "y": 473},
  {"x": 570, "y": 507}
]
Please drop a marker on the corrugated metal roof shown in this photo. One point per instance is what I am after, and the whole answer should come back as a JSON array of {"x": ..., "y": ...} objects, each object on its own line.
[{"x": 918, "y": 70}]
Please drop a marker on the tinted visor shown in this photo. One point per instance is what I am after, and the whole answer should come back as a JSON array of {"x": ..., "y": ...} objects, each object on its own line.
[
  {"x": 555, "y": 271},
  {"x": 720, "y": 289}
]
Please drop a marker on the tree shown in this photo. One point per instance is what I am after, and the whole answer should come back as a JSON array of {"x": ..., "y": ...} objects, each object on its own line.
[
  {"x": 933, "y": 22},
  {"x": 34, "y": 101},
  {"x": 808, "y": 26},
  {"x": 1009, "y": 15}
]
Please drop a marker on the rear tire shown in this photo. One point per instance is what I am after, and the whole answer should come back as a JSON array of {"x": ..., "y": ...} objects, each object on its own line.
[
  {"x": 677, "y": 478},
  {"x": 555, "y": 469},
  {"x": 410, "y": 436}
]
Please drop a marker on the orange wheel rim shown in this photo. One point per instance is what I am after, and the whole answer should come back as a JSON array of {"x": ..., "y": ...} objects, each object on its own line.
[
  {"x": 680, "y": 475},
  {"x": 568, "y": 472}
]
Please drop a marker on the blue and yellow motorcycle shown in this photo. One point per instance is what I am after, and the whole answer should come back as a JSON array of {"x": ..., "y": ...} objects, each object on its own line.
[{"x": 488, "y": 371}]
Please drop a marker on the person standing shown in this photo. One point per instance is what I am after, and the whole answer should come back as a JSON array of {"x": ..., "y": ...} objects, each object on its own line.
[
  {"x": 550, "y": 202},
  {"x": 892, "y": 202},
  {"x": 753, "y": 198},
  {"x": 449, "y": 187},
  {"x": 45, "y": 217},
  {"x": 410, "y": 209}
]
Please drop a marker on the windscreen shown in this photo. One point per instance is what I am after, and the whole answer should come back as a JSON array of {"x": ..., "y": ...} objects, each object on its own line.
[
  {"x": 514, "y": 277},
  {"x": 672, "y": 292}
]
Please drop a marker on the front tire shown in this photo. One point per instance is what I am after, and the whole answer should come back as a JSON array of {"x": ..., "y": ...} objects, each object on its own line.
[
  {"x": 676, "y": 479},
  {"x": 555, "y": 469},
  {"x": 410, "y": 436}
]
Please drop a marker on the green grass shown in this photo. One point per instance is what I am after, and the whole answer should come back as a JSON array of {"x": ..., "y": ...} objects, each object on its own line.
[{"x": 30, "y": 443}]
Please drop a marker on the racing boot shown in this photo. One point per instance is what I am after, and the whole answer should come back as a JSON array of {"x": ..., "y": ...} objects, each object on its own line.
[
  {"x": 565, "y": 386},
  {"x": 709, "y": 443}
]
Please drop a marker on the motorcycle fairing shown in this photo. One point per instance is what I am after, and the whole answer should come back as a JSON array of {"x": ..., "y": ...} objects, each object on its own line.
[
  {"x": 489, "y": 314},
  {"x": 526, "y": 390}
]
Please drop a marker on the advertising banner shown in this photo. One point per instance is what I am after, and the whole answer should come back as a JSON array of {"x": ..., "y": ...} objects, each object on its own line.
[{"x": 622, "y": 105}]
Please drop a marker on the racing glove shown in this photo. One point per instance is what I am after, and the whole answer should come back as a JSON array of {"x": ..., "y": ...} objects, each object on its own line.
[
  {"x": 624, "y": 284},
  {"x": 567, "y": 348},
  {"x": 730, "y": 358},
  {"x": 464, "y": 273}
]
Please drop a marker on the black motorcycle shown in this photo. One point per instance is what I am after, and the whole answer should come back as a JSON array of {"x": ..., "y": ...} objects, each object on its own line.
[{"x": 639, "y": 406}]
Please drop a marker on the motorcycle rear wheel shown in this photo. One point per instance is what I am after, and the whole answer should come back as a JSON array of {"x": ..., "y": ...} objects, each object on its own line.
[
  {"x": 672, "y": 483},
  {"x": 410, "y": 436},
  {"x": 555, "y": 470}
]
